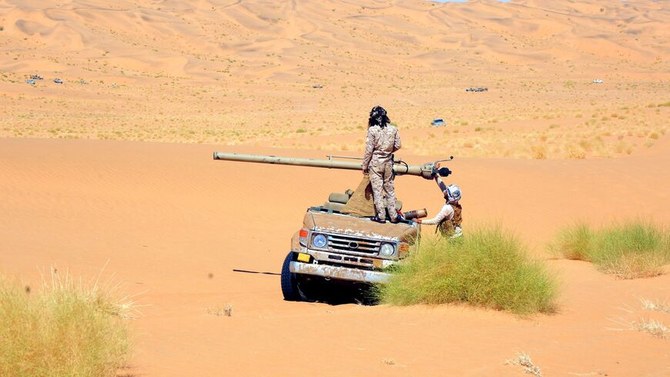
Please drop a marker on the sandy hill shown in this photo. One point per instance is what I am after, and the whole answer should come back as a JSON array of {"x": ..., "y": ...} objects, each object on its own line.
[{"x": 290, "y": 73}]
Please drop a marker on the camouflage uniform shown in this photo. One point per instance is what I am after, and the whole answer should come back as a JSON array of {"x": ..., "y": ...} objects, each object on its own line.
[
  {"x": 447, "y": 227},
  {"x": 380, "y": 144}
]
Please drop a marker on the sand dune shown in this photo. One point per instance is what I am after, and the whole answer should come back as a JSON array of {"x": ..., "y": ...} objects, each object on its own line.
[
  {"x": 239, "y": 73},
  {"x": 168, "y": 222},
  {"x": 110, "y": 173}
]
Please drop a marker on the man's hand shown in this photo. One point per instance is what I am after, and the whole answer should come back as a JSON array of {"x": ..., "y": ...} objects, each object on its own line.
[{"x": 435, "y": 173}]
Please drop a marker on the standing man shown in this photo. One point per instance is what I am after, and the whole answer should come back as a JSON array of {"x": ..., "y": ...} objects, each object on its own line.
[{"x": 381, "y": 142}]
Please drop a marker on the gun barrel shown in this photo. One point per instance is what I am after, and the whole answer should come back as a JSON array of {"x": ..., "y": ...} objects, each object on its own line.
[
  {"x": 331, "y": 164},
  {"x": 399, "y": 167}
]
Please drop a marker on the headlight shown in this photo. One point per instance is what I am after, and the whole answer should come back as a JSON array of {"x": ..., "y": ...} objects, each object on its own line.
[
  {"x": 387, "y": 250},
  {"x": 319, "y": 241}
]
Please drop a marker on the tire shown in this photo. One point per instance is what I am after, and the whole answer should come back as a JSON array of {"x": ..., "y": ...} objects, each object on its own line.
[{"x": 289, "y": 281}]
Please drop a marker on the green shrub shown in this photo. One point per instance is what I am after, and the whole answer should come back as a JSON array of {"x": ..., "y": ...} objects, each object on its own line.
[
  {"x": 629, "y": 250},
  {"x": 574, "y": 242},
  {"x": 487, "y": 268},
  {"x": 62, "y": 330}
]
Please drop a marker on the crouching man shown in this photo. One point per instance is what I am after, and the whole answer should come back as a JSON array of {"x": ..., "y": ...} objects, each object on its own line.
[{"x": 448, "y": 220}]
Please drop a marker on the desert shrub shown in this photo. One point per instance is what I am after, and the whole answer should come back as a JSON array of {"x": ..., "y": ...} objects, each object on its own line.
[
  {"x": 573, "y": 242},
  {"x": 539, "y": 152},
  {"x": 629, "y": 250},
  {"x": 64, "y": 329},
  {"x": 487, "y": 268},
  {"x": 575, "y": 153},
  {"x": 653, "y": 327}
]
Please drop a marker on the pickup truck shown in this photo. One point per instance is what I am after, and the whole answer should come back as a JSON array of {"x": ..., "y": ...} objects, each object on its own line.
[{"x": 334, "y": 248}]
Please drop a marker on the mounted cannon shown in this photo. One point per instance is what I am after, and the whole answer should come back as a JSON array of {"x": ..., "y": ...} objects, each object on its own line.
[
  {"x": 360, "y": 203},
  {"x": 400, "y": 167},
  {"x": 336, "y": 243}
]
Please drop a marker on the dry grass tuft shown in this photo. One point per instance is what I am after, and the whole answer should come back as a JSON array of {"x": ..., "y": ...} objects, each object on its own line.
[
  {"x": 633, "y": 249},
  {"x": 539, "y": 152},
  {"x": 655, "y": 306},
  {"x": 653, "y": 327},
  {"x": 221, "y": 311},
  {"x": 634, "y": 266},
  {"x": 525, "y": 361},
  {"x": 66, "y": 328}
]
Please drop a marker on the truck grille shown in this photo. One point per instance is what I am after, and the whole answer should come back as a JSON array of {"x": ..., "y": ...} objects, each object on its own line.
[{"x": 353, "y": 244}]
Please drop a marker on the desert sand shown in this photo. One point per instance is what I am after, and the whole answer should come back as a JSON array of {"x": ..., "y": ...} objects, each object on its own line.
[{"x": 110, "y": 174}]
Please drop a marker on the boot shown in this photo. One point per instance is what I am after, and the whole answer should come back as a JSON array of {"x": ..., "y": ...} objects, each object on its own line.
[{"x": 376, "y": 219}]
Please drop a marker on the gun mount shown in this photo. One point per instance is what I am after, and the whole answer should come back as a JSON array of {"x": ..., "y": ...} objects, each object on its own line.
[{"x": 337, "y": 244}]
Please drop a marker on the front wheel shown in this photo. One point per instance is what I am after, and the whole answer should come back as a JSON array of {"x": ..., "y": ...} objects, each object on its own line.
[
  {"x": 296, "y": 287},
  {"x": 289, "y": 281}
]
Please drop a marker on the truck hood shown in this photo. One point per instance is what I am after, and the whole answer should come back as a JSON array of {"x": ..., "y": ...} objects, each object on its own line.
[{"x": 360, "y": 226}]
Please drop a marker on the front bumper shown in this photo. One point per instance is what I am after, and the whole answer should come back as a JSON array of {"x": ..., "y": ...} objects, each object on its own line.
[{"x": 342, "y": 273}]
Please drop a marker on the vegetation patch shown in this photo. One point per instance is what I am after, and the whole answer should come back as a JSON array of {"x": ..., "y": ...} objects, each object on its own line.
[
  {"x": 655, "y": 306},
  {"x": 633, "y": 249},
  {"x": 653, "y": 327},
  {"x": 523, "y": 359},
  {"x": 221, "y": 311},
  {"x": 62, "y": 329},
  {"x": 487, "y": 268}
]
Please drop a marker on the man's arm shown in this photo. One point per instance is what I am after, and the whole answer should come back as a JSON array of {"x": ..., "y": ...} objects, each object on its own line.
[
  {"x": 396, "y": 141},
  {"x": 447, "y": 212},
  {"x": 440, "y": 184},
  {"x": 369, "y": 148}
]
